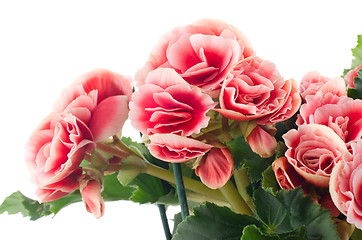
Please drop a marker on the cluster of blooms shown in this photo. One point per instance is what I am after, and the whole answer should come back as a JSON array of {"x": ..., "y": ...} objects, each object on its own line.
[
  {"x": 202, "y": 86},
  {"x": 206, "y": 66},
  {"x": 326, "y": 148}
]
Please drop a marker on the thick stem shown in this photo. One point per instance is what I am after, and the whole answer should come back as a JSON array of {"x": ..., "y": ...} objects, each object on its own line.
[
  {"x": 242, "y": 181},
  {"x": 190, "y": 184},
  {"x": 236, "y": 201},
  {"x": 118, "y": 142},
  {"x": 180, "y": 187},
  {"x": 198, "y": 198},
  {"x": 153, "y": 170},
  {"x": 115, "y": 152}
]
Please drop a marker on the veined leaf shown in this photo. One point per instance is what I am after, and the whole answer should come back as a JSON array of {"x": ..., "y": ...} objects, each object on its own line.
[
  {"x": 18, "y": 203},
  {"x": 213, "y": 222},
  {"x": 288, "y": 211},
  {"x": 255, "y": 233}
]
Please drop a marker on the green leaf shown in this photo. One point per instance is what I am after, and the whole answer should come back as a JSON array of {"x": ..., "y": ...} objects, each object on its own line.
[
  {"x": 290, "y": 210},
  {"x": 57, "y": 205},
  {"x": 114, "y": 191},
  {"x": 255, "y": 233},
  {"x": 356, "y": 92},
  {"x": 144, "y": 150},
  {"x": 357, "y": 53},
  {"x": 274, "y": 214},
  {"x": 213, "y": 222},
  {"x": 18, "y": 203},
  {"x": 149, "y": 189},
  {"x": 177, "y": 219},
  {"x": 243, "y": 155}
]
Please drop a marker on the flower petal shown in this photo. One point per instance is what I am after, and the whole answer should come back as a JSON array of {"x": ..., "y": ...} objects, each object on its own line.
[
  {"x": 108, "y": 117},
  {"x": 262, "y": 142},
  {"x": 216, "y": 168},
  {"x": 175, "y": 148}
]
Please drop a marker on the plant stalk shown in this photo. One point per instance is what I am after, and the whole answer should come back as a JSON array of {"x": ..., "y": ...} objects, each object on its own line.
[
  {"x": 180, "y": 187},
  {"x": 164, "y": 220},
  {"x": 189, "y": 183},
  {"x": 242, "y": 181},
  {"x": 236, "y": 201}
]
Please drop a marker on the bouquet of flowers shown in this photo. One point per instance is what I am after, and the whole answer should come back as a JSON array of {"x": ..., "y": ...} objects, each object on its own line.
[{"x": 245, "y": 153}]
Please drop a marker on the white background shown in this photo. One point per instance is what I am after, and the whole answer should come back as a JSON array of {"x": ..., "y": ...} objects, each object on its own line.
[{"x": 45, "y": 45}]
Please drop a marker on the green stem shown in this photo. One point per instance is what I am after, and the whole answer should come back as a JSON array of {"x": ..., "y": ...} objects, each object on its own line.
[
  {"x": 123, "y": 147},
  {"x": 198, "y": 198},
  {"x": 190, "y": 184},
  {"x": 236, "y": 201},
  {"x": 165, "y": 225},
  {"x": 242, "y": 181},
  {"x": 164, "y": 174},
  {"x": 115, "y": 152},
  {"x": 180, "y": 187}
]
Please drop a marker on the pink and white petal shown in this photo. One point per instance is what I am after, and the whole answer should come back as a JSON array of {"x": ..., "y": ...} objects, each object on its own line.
[
  {"x": 108, "y": 117},
  {"x": 216, "y": 169},
  {"x": 335, "y": 86},
  {"x": 220, "y": 53},
  {"x": 67, "y": 96},
  {"x": 175, "y": 148},
  {"x": 106, "y": 82},
  {"x": 164, "y": 78},
  {"x": 52, "y": 192},
  {"x": 181, "y": 54},
  {"x": 334, "y": 188}
]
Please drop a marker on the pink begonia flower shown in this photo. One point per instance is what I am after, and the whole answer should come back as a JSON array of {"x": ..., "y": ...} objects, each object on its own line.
[
  {"x": 54, "y": 152},
  {"x": 329, "y": 92},
  {"x": 261, "y": 142},
  {"x": 111, "y": 93},
  {"x": 216, "y": 168},
  {"x": 344, "y": 117},
  {"x": 310, "y": 83},
  {"x": 313, "y": 151},
  {"x": 89, "y": 111},
  {"x": 202, "y": 53},
  {"x": 168, "y": 104},
  {"x": 175, "y": 149},
  {"x": 286, "y": 175},
  {"x": 288, "y": 178},
  {"x": 91, "y": 194},
  {"x": 345, "y": 186},
  {"x": 254, "y": 89},
  {"x": 349, "y": 77}
]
